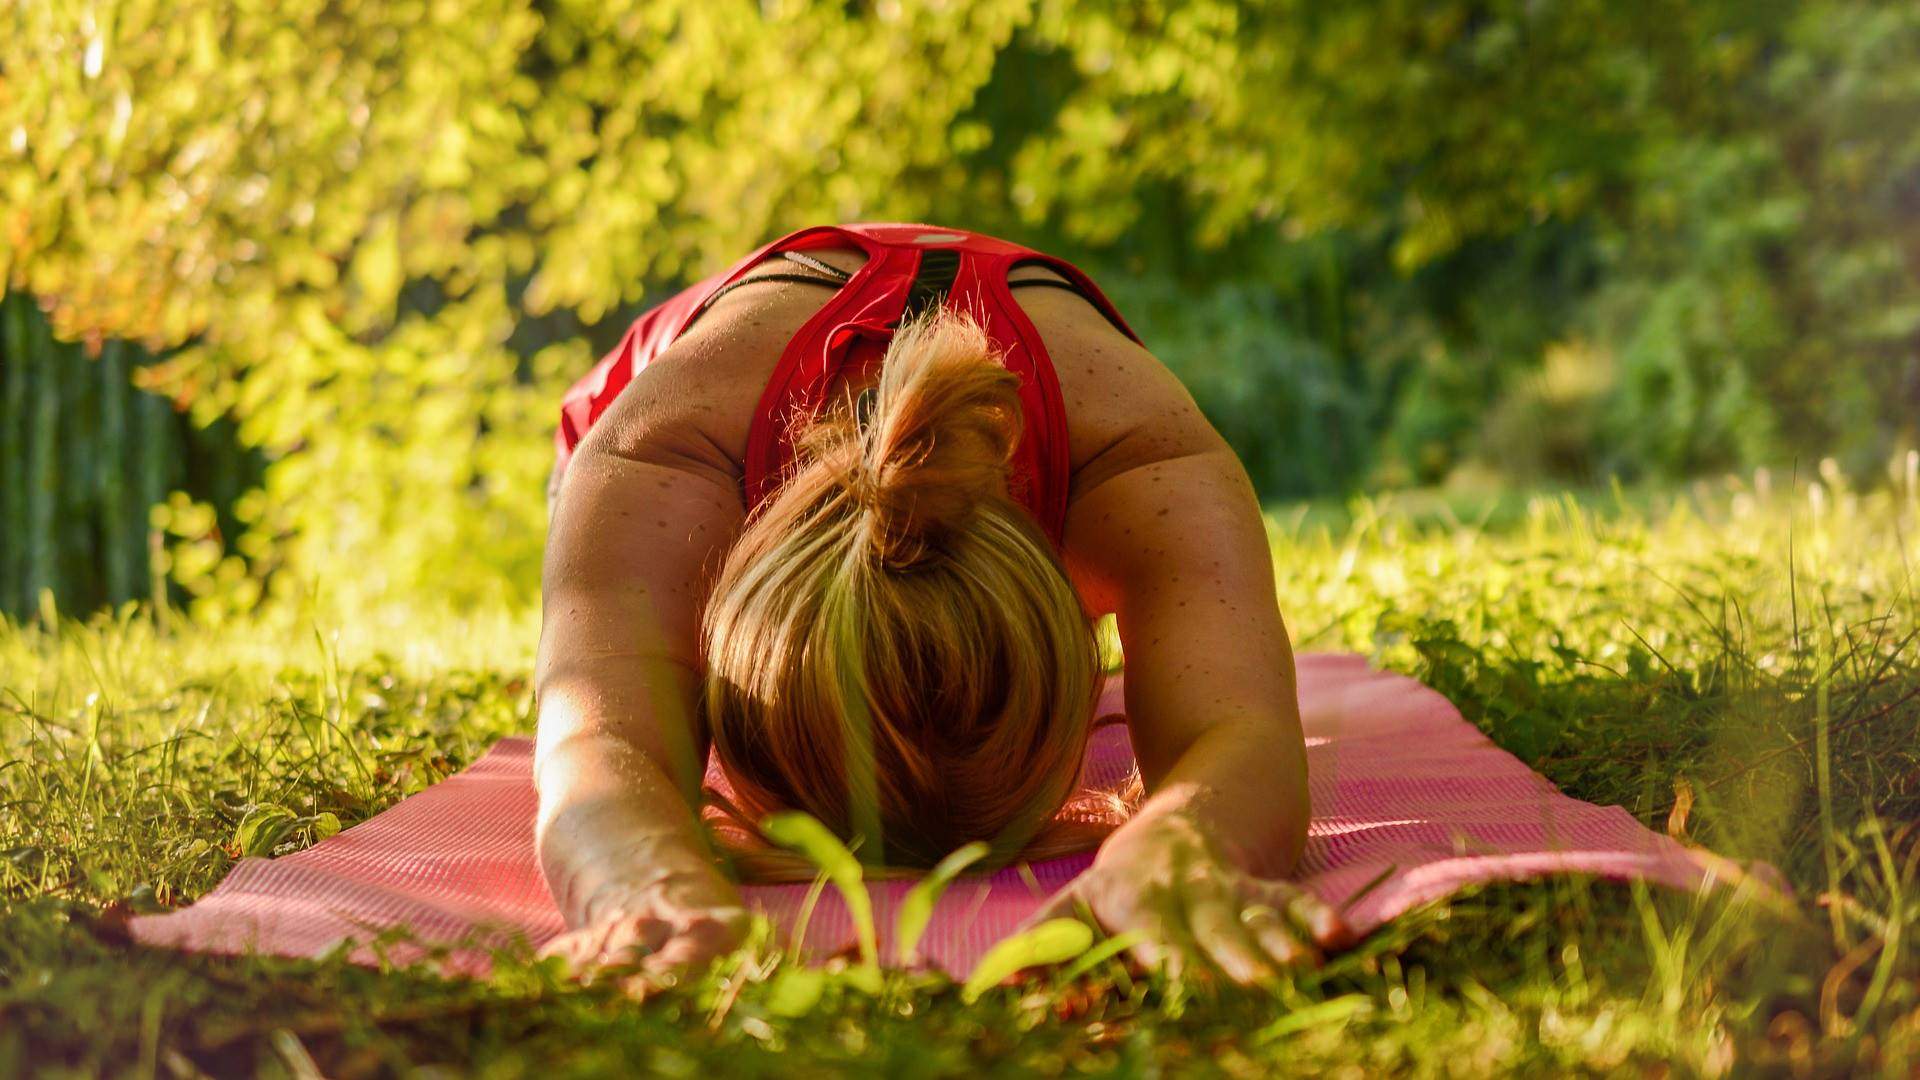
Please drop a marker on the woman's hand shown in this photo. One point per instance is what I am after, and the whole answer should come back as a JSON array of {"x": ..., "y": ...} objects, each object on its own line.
[
  {"x": 684, "y": 920},
  {"x": 1163, "y": 880}
]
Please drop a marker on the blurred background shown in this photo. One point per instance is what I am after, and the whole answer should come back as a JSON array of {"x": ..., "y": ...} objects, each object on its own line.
[{"x": 292, "y": 288}]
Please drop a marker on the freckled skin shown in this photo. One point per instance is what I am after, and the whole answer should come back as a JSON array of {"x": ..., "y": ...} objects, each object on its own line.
[{"x": 620, "y": 748}]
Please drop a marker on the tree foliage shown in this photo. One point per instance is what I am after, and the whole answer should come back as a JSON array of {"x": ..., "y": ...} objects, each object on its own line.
[{"x": 380, "y": 234}]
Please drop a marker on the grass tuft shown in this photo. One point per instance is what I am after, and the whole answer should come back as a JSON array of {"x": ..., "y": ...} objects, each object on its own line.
[{"x": 1736, "y": 664}]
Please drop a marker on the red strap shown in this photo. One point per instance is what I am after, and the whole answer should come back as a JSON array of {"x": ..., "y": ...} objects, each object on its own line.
[{"x": 850, "y": 333}]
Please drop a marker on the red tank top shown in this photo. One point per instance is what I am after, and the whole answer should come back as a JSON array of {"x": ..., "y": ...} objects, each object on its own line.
[{"x": 907, "y": 267}]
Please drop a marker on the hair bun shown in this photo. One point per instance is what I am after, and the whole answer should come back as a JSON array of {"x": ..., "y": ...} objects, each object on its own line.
[{"x": 936, "y": 441}]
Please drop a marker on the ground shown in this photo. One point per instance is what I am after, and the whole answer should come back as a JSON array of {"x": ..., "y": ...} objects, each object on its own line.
[{"x": 1734, "y": 663}]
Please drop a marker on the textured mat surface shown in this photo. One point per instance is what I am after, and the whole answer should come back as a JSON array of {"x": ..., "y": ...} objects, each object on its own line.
[{"x": 1402, "y": 786}]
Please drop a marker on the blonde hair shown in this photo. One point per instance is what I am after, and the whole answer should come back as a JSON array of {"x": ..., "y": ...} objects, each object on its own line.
[{"x": 892, "y": 644}]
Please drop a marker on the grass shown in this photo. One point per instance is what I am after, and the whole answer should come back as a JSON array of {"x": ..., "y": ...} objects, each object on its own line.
[{"x": 1735, "y": 664}]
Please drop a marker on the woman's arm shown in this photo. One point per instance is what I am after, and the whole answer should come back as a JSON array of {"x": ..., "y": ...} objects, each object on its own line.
[
  {"x": 643, "y": 519},
  {"x": 1182, "y": 553},
  {"x": 1172, "y": 541},
  {"x": 647, "y": 508}
]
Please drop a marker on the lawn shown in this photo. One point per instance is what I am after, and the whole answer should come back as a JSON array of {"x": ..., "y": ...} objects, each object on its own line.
[{"x": 1735, "y": 663}]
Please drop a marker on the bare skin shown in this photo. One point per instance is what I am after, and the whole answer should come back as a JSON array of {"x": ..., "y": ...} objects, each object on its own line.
[{"x": 1163, "y": 529}]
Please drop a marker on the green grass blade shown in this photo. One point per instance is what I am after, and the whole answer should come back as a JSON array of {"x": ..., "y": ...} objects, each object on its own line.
[
  {"x": 796, "y": 942},
  {"x": 1331, "y": 1012},
  {"x": 1055, "y": 941},
  {"x": 804, "y": 834},
  {"x": 795, "y": 991},
  {"x": 917, "y": 909},
  {"x": 1101, "y": 953}
]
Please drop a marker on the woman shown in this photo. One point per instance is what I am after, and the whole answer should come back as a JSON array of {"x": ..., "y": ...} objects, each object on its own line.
[{"x": 846, "y": 512}]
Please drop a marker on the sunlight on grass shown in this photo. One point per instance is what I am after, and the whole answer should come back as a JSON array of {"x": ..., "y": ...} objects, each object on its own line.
[{"x": 1735, "y": 664}]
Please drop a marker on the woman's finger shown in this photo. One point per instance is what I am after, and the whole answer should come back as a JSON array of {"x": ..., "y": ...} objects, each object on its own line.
[
  {"x": 631, "y": 940},
  {"x": 699, "y": 940},
  {"x": 1277, "y": 937},
  {"x": 594, "y": 945},
  {"x": 614, "y": 943},
  {"x": 581, "y": 949},
  {"x": 1151, "y": 954},
  {"x": 569, "y": 947},
  {"x": 1161, "y": 916},
  {"x": 1322, "y": 924},
  {"x": 1153, "y": 916},
  {"x": 1215, "y": 923},
  {"x": 715, "y": 934},
  {"x": 684, "y": 951},
  {"x": 1064, "y": 904}
]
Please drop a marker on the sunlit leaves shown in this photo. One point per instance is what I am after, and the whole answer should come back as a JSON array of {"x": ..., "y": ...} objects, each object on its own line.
[
  {"x": 366, "y": 216},
  {"x": 214, "y": 156},
  {"x": 261, "y": 830},
  {"x": 348, "y": 208},
  {"x": 1052, "y": 942}
]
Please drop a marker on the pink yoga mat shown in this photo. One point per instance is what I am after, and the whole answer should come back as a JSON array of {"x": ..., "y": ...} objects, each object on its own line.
[{"x": 1401, "y": 786}]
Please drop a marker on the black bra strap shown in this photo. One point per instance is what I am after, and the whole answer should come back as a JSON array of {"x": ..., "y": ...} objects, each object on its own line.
[
  {"x": 786, "y": 277},
  {"x": 1069, "y": 286},
  {"x": 795, "y": 279},
  {"x": 1051, "y": 284},
  {"x": 835, "y": 277}
]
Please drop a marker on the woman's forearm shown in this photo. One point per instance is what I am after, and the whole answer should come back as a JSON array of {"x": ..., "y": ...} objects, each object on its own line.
[
  {"x": 617, "y": 817},
  {"x": 1240, "y": 787}
]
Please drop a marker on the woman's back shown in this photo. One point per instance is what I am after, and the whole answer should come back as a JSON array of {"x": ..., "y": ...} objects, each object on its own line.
[{"x": 705, "y": 370}]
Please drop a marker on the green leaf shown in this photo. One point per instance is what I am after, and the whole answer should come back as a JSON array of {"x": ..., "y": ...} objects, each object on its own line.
[
  {"x": 376, "y": 264},
  {"x": 1052, "y": 942},
  {"x": 917, "y": 908},
  {"x": 795, "y": 991},
  {"x": 864, "y": 978},
  {"x": 325, "y": 824},
  {"x": 1333, "y": 1011},
  {"x": 804, "y": 834},
  {"x": 1101, "y": 953},
  {"x": 262, "y": 829}
]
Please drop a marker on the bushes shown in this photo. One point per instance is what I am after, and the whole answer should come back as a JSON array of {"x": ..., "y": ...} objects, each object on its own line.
[
  {"x": 378, "y": 236},
  {"x": 1280, "y": 399}
]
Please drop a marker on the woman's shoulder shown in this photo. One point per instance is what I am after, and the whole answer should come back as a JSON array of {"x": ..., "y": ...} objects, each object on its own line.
[
  {"x": 704, "y": 388},
  {"x": 1124, "y": 408}
]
